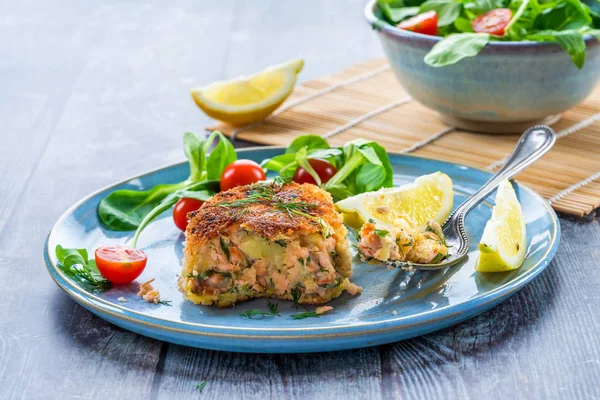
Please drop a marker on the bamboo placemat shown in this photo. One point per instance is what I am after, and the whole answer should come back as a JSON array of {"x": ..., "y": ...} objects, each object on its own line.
[{"x": 366, "y": 101}]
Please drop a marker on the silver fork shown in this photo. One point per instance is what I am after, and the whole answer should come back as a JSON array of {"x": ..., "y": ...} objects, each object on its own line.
[{"x": 534, "y": 143}]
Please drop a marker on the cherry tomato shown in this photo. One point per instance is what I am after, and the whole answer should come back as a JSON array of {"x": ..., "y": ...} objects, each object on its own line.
[
  {"x": 493, "y": 22},
  {"x": 181, "y": 210},
  {"x": 426, "y": 23},
  {"x": 120, "y": 264},
  {"x": 241, "y": 172},
  {"x": 324, "y": 169}
]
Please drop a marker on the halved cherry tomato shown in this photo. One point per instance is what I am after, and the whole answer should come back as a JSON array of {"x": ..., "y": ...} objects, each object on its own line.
[
  {"x": 493, "y": 22},
  {"x": 324, "y": 169},
  {"x": 120, "y": 264},
  {"x": 426, "y": 23},
  {"x": 241, "y": 172},
  {"x": 181, "y": 210}
]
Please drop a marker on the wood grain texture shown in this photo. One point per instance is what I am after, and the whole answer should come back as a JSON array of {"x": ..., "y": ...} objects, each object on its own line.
[{"x": 94, "y": 92}]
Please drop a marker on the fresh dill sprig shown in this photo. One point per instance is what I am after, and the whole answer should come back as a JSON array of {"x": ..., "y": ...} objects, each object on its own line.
[
  {"x": 295, "y": 292},
  {"x": 201, "y": 386},
  {"x": 75, "y": 264},
  {"x": 273, "y": 312},
  {"x": 438, "y": 258},
  {"x": 440, "y": 235},
  {"x": 165, "y": 302},
  {"x": 273, "y": 308},
  {"x": 264, "y": 193},
  {"x": 303, "y": 315}
]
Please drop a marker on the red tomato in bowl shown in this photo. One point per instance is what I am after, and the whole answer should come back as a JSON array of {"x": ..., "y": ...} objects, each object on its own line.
[
  {"x": 493, "y": 22},
  {"x": 425, "y": 23},
  {"x": 120, "y": 264},
  {"x": 241, "y": 172},
  {"x": 324, "y": 169},
  {"x": 181, "y": 210}
]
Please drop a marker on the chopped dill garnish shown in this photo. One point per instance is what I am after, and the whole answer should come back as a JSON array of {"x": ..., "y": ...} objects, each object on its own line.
[
  {"x": 282, "y": 243},
  {"x": 273, "y": 308},
  {"x": 295, "y": 292},
  {"x": 75, "y": 264},
  {"x": 441, "y": 237},
  {"x": 201, "y": 386},
  {"x": 264, "y": 193},
  {"x": 303, "y": 315},
  {"x": 165, "y": 302},
  {"x": 273, "y": 312},
  {"x": 381, "y": 232},
  {"x": 438, "y": 258},
  {"x": 225, "y": 249}
]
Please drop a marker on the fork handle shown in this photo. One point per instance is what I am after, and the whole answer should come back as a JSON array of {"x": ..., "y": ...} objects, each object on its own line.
[{"x": 534, "y": 143}]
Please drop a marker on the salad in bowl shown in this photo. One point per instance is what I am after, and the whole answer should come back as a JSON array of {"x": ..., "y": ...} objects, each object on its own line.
[{"x": 492, "y": 65}]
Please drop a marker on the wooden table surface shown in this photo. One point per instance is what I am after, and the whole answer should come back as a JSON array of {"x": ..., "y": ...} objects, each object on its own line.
[{"x": 92, "y": 92}]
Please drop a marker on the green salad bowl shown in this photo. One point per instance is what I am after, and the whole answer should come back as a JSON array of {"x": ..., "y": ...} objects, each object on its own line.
[{"x": 506, "y": 88}]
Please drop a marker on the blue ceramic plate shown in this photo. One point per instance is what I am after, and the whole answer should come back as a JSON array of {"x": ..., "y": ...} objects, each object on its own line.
[{"x": 394, "y": 305}]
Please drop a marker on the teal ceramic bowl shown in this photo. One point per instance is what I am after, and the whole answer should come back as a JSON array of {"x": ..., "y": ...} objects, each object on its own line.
[{"x": 507, "y": 87}]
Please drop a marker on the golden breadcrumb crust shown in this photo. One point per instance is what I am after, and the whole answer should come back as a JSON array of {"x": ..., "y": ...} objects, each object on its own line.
[{"x": 216, "y": 218}]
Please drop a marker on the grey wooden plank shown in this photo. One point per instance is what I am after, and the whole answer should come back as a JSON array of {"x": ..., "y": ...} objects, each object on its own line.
[
  {"x": 356, "y": 374},
  {"x": 40, "y": 59},
  {"x": 121, "y": 111}
]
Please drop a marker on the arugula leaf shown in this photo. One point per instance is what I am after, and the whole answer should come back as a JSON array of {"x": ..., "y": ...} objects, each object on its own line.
[
  {"x": 124, "y": 210},
  {"x": 455, "y": 47},
  {"x": 447, "y": 10},
  {"x": 75, "y": 264}
]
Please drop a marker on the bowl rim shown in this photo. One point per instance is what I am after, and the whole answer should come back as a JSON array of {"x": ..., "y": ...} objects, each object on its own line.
[{"x": 369, "y": 13}]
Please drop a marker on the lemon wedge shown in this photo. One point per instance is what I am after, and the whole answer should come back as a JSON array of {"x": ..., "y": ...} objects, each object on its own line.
[
  {"x": 249, "y": 99},
  {"x": 429, "y": 197},
  {"x": 503, "y": 243}
]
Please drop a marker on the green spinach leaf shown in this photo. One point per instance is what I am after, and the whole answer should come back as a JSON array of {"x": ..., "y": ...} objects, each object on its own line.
[
  {"x": 447, "y": 10},
  {"x": 455, "y": 47}
]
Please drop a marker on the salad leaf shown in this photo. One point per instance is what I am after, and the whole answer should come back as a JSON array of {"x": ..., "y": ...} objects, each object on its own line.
[
  {"x": 309, "y": 141},
  {"x": 75, "y": 264},
  {"x": 447, "y": 10},
  {"x": 455, "y": 47},
  {"x": 124, "y": 210},
  {"x": 564, "y": 22},
  {"x": 362, "y": 165},
  {"x": 571, "y": 41},
  {"x": 463, "y": 25},
  {"x": 200, "y": 191}
]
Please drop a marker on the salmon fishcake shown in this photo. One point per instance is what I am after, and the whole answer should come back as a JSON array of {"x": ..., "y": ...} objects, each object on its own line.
[{"x": 284, "y": 241}]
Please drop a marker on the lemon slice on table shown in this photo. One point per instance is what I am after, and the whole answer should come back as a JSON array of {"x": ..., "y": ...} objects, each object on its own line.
[
  {"x": 429, "y": 197},
  {"x": 503, "y": 243},
  {"x": 249, "y": 99}
]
